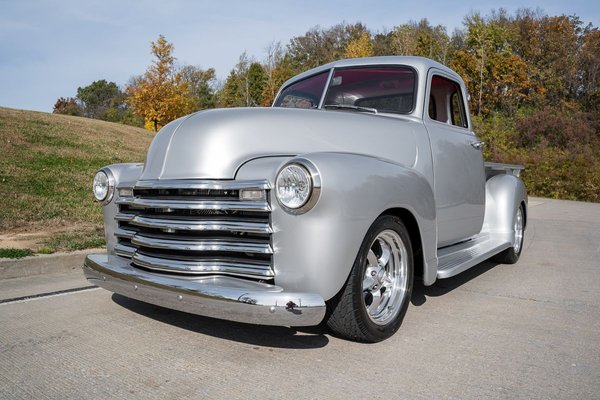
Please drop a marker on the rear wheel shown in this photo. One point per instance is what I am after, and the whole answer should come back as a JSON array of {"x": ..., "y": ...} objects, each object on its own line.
[
  {"x": 372, "y": 304},
  {"x": 512, "y": 254}
]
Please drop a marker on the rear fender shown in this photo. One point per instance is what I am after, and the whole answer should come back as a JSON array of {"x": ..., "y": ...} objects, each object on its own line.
[{"x": 503, "y": 195}]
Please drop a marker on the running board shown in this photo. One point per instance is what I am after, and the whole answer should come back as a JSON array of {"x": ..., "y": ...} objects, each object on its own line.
[{"x": 453, "y": 260}]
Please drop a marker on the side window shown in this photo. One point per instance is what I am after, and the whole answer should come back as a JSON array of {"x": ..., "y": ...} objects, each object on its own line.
[{"x": 446, "y": 102}]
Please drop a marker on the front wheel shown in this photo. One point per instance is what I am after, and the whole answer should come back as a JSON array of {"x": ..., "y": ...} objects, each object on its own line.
[{"x": 372, "y": 304}]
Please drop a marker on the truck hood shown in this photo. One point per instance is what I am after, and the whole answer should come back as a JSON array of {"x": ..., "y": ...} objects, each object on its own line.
[{"x": 213, "y": 144}]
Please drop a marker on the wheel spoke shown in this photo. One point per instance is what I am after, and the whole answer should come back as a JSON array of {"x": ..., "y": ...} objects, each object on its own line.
[
  {"x": 372, "y": 259},
  {"x": 386, "y": 251},
  {"x": 377, "y": 297}
]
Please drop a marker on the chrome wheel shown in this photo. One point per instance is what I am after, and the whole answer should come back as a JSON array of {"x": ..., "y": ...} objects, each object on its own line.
[
  {"x": 372, "y": 304},
  {"x": 518, "y": 231},
  {"x": 385, "y": 280}
]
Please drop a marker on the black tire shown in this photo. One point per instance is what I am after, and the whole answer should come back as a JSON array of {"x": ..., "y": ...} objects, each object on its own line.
[
  {"x": 512, "y": 254},
  {"x": 349, "y": 313}
]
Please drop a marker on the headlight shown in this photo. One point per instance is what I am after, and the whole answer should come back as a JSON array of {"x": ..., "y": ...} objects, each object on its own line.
[
  {"x": 104, "y": 186},
  {"x": 297, "y": 186}
]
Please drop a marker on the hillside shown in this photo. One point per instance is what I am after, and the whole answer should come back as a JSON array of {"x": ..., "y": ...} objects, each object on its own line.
[{"x": 47, "y": 164}]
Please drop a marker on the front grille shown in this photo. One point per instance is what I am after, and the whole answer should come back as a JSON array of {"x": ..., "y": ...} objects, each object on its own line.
[{"x": 197, "y": 228}]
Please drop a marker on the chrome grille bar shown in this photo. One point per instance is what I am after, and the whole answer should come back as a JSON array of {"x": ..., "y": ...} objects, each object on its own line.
[
  {"x": 203, "y": 184},
  {"x": 208, "y": 267},
  {"x": 123, "y": 250},
  {"x": 123, "y": 233},
  {"x": 202, "y": 245},
  {"x": 165, "y": 204},
  {"x": 200, "y": 225}
]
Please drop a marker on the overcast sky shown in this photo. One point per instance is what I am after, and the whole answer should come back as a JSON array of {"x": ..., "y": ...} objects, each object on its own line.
[{"x": 49, "y": 48}]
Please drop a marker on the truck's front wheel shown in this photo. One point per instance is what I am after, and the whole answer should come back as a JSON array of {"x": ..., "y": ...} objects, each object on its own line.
[{"x": 373, "y": 302}]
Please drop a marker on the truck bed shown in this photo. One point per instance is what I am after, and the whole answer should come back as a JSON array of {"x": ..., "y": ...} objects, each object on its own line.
[{"x": 492, "y": 169}]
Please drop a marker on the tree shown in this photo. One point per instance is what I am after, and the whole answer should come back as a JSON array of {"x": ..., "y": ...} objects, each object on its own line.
[
  {"x": 201, "y": 85},
  {"x": 245, "y": 84},
  {"x": 98, "y": 97},
  {"x": 590, "y": 67},
  {"x": 421, "y": 39},
  {"x": 361, "y": 46},
  {"x": 160, "y": 95},
  {"x": 67, "y": 106},
  {"x": 319, "y": 46},
  {"x": 257, "y": 79}
]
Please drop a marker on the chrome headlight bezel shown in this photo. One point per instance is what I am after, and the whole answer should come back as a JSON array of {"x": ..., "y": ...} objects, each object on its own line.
[
  {"x": 104, "y": 177},
  {"x": 314, "y": 180}
]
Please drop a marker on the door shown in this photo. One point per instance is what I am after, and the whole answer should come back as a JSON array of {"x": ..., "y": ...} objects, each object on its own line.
[{"x": 458, "y": 172}]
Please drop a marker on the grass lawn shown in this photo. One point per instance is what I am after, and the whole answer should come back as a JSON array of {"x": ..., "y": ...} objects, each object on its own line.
[{"x": 47, "y": 163}]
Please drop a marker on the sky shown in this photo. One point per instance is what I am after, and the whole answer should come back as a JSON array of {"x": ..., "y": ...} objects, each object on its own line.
[{"x": 50, "y": 48}]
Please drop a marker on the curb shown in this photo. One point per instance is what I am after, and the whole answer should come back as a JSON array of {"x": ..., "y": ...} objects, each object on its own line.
[{"x": 44, "y": 264}]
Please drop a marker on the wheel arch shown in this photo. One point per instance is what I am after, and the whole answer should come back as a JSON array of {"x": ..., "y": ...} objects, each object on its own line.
[{"x": 411, "y": 224}]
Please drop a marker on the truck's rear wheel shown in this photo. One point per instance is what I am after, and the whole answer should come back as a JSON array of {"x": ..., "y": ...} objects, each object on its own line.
[
  {"x": 512, "y": 254},
  {"x": 373, "y": 302}
]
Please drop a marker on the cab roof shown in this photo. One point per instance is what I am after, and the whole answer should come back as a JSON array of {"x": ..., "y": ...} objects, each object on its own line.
[{"x": 421, "y": 64}]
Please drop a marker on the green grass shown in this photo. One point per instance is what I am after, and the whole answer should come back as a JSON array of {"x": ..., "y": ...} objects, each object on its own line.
[
  {"x": 15, "y": 253},
  {"x": 76, "y": 240},
  {"x": 47, "y": 164}
]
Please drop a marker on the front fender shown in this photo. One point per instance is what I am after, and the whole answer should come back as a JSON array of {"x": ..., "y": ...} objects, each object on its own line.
[{"x": 315, "y": 251}]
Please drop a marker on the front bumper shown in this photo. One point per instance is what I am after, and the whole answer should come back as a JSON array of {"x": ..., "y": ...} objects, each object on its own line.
[{"x": 215, "y": 296}]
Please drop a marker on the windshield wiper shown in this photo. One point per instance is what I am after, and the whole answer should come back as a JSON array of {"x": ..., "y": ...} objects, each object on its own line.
[{"x": 350, "y": 107}]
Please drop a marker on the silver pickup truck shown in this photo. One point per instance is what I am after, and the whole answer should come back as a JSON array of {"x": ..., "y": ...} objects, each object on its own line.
[{"x": 363, "y": 176}]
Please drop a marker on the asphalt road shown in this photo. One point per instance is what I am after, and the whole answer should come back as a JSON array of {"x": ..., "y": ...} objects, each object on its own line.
[{"x": 530, "y": 330}]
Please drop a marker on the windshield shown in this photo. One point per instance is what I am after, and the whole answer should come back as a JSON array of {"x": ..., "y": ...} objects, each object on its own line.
[
  {"x": 385, "y": 89},
  {"x": 305, "y": 93},
  {"x": 376, "y": 89}
]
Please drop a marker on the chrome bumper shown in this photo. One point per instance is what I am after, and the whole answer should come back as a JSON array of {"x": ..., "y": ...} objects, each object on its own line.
[{"x": 216, "y": 296}]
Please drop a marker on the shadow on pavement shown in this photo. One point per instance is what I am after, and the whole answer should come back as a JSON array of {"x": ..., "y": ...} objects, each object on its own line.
[
  {"x": 282, "y": 337},
  {"x": 259, "y": 335},
  {"x": 443, "y": 286}
]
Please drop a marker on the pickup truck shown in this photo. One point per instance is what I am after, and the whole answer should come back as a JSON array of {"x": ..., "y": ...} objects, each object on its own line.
[{"x": 363, "y": 176}]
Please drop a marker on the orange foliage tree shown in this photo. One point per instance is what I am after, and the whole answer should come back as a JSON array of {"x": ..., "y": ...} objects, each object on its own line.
[{"x": 161, "y": 94}]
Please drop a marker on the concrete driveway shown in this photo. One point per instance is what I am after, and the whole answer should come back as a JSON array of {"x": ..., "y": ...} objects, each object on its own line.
[{"x": 530, "y": 330}]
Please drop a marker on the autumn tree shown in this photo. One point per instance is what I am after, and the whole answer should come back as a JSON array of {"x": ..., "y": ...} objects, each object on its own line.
[
  {"x": 362, "y": 46},
  {"x": 420, "y": 39},
  {"x": 319, "y": 46},
  {"x": 67, "y": 106},
  {"x": 589, "y": 64},
  {"x": 161, "y": 94}
]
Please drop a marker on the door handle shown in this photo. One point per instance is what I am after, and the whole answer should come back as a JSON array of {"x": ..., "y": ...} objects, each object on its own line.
[{"x": 478, "y": 145}]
